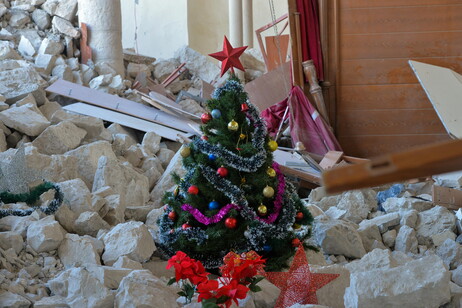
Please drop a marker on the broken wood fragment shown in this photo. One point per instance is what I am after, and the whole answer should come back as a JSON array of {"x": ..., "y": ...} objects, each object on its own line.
[
  {"x": 331, "y": 159},
  {"x": 447, "y": 197},
  {"x": 418, "y": 162},
  {"x": 85, "y": 50}
]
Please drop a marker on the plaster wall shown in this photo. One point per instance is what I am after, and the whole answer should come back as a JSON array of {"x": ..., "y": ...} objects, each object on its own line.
[{"x": 164, "y": 26}]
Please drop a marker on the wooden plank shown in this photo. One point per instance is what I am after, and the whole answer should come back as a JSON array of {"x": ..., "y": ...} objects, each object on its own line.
[
  {"x": 402, "y": 19},
  {"x": 123, "y": 119},
  {"x": 388, "y": 71},
  {"x": 444, "y": 89},
  {"x": 370, "y": 146},
  {"x": 331, "y": 159},
  {"x": 348, "y": 4},
  {"x": 401, "y": 45},
  {"x": 274, "y": 44},
  {"x": 389, "y": 122},
  {"x": 264, "y": 96},
  {"x": 419, "y": 162},
  {"x": 113, "y": 102},
  {"x": 402, "y": 96},
  {"x": 85, "y": 50},
  {"x": 447, "y": 197}
]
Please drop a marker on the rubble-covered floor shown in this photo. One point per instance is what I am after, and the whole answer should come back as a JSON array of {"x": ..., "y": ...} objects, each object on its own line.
[{"x": 98, "y": 248}]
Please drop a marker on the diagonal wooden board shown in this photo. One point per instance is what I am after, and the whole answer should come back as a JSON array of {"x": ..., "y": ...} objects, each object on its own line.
[
  {"x": 122, "y": 105},
  {"x": 125, "y": 120},
  {"x": 444, "y": 89}
]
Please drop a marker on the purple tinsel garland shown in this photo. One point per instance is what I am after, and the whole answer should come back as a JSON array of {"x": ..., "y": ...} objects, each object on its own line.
[
  {"x": 224, "y": 210},
  {"x": 209, "y": 220}
]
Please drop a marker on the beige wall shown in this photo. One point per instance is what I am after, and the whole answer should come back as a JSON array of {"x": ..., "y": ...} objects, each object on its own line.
[{"x": 164, "y": 26}]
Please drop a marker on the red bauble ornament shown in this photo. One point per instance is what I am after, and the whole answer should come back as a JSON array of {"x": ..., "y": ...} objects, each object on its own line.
[
  {"x": 231, "y": 222},
  {"x": 299, "y": 284},
  {"x": 222, "y": 171},
  {"x": 204, "y": 137},
  {"x": 172, "y": 215},
  {"x": 185, "y": 226},
  {"x": 229, "y": 57},
  {"x": 296, "y": 242},
  {"x": 299, "y": 216},
  {"x": 244, "y": 107},
  {"x": 206, "y": 117},
  {"x": 193, "y": 190}
]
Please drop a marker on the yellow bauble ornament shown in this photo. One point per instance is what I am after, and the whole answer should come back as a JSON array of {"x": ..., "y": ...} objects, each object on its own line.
[
  {"x": 242, "y": 136},
  {"x": 243, "y": 180},
  {"x": 273, "y": 145},
  {"x": 233, "y": 126},
  {"x": 268, "y": 192},
  {"x": 271, "y": 172},
  {"x": 185, "y": 152},
  {"x": 296, "y": 226},
  {"x": 262, "y": 210}
]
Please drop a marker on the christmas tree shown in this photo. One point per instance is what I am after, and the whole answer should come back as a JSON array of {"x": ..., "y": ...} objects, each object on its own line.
[{"x": 233, "y": 196}]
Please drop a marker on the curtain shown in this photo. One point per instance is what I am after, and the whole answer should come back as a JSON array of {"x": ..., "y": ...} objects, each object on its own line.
[{"x": 310, "y": 34}]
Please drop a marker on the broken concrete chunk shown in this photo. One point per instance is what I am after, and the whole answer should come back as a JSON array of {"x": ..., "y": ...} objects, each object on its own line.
[
  {"x": 406, "y": 240},
  {"x": 399, "y": 204},
  {"x": 142, "y": 289},
  {"x": 19, "y": 19},
  {"x": 134, "y": 68},
  {"x": 66, "y": 9},
  {"x": 384, "y": 222},
  {"x": 131, "y": 239},
  {"x": 25, "y": 47},
  {"x": 45, "y": 235},
  {"x": 41, "y": 19},
  {"x": 432, "y": 222},
  {"x": 371, "y": 237},
  {"x": 338, "y": 238},
  {"x": 76, "y": 195},
  {"x": 7, "y": 51},
  {"x": 125, "y": 262},
  {"x": 451, "y": 253},
  {"x": 88, "y": 156},
  {"x": 76, "y": 251},
  {"x": 389, "y": 238},
  {"x": 109, "y": 276},
  {"x": 26, "y": 119},
  {"x": 65, "y": 27},
  {"x": 17, "y": 82},
  {"x": 421, "y": 281},
  {"x": 59, "y": 138},
  {"x": 9, "y": 299},
  {"x": 90, "y": 223},
  {"x": 51, "y": 47},
  {"x": 11, "y": 239}
]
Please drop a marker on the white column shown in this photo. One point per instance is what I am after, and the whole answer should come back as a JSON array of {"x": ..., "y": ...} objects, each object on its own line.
[
  {"x": 248, "y": 23},
  {"x": 104, "y": 23},
  {"x": 235, "y": 28}
]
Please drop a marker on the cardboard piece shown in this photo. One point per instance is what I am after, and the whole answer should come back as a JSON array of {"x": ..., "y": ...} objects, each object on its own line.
[
  {"x": 123, "y": 119},
  {"x": 447, "y": 197},
  {"x": 444, "y": 89},
  {"x": 122, "y": 105},
  {"x": 414, "y": 163},
  {"x": 270, "y": 88},
  {"x": 277, "y": 48}
]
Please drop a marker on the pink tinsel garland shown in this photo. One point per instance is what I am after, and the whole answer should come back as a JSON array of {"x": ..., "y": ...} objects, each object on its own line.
[{"x": 224, "y": 210}]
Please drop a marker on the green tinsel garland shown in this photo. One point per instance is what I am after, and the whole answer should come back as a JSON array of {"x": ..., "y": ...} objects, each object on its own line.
[{"x": 31, "y": 198}]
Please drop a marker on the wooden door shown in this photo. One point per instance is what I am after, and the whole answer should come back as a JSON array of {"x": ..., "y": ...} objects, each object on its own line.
[{"x": 377, "y": 103}]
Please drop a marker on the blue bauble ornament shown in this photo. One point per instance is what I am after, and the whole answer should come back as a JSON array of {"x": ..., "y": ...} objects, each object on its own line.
[
  {"x": 216, "y": 114},
  {"x": 267, "y": 248},
  {"x": 212, "y": 157},
  {"x": 214, "y": 205}
]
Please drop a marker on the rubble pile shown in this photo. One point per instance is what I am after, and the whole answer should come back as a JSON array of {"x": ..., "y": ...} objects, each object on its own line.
[{"x": 98, "y": 249}]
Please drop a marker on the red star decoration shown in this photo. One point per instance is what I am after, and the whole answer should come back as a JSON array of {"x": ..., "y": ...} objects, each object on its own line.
[
  {"x": 298, "y": 285},
  {"x": 229, "y": 57}
]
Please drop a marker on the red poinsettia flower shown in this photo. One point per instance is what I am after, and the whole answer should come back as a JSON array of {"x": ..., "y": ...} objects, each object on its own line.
[
  {"x": 207, "y": 289},
  {"x": 243, "y": 266},
  {"x": 233, "y": 291},
  {"x": 187, "y": 268}
]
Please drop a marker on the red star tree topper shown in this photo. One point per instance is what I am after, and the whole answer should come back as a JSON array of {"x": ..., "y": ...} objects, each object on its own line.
[
  {"x": 229, "y": 57},
  {"x": 298, "y": 285}
]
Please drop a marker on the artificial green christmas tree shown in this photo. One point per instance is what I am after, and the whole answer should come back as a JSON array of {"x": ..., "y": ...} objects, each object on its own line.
[{"x": 233, "y": 196}]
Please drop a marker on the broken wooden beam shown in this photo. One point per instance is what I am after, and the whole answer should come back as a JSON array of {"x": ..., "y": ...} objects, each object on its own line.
[{"x": 414, "y": 163}]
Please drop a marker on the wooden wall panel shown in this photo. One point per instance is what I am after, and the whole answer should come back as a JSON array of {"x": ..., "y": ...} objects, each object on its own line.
[
  {"x": 363, "y": 97},
  {"x": 389, "y": 122},
  {"x": 348, "y": 4},
  {"x": 406, "y": 19},
  {"x": 379, "y": 105},
  {"x": 370, "y": 146}
]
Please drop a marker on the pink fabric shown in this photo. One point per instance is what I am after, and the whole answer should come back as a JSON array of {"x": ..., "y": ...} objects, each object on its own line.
[
  {"x": 310, "y": 34},
  {"x": 306, "y": 125}
]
